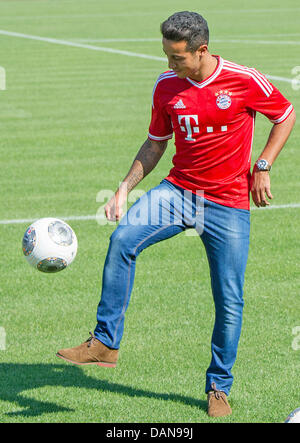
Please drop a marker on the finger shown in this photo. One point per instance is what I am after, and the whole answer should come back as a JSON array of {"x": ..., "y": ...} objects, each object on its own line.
[
  {"x": 110, "y": 214},
  {"x": 255, "y": 198},
  {"x": 117, "y": 213},
  {"x": 262, "y": 198},
  {"x": 106, "y": 210},
  {"x": 268, "y": 192}
]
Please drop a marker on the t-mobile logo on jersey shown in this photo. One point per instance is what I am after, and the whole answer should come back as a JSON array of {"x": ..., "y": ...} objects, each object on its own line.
[
  {"x": 191, "y": 126},
  {"x": 188, "y": 126}
]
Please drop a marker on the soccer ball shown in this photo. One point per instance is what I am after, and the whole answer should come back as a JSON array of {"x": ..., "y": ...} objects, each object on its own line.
[
  {"x": 49, "y": 245},
  {"x": 294, "y": 417}
]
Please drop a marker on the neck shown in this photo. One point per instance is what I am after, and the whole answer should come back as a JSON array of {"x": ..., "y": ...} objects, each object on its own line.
[{"x": 208, "y": 66}]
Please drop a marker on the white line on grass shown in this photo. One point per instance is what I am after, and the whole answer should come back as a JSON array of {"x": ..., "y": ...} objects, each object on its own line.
[
  {"x": 114, "y": 40},
  {"x": 79, "y": 45},
  {"x": 30, "y": 220},
  {"x": 94, "y": 217},
  {"x": 109, "y": 50},
  {"x": 213, "y": 40}
]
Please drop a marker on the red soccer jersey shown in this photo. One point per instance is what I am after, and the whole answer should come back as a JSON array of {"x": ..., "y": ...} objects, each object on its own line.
[{"x": 213, "y": 122}]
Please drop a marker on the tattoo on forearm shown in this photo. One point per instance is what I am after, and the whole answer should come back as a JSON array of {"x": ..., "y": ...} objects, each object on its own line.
[
  {"x": 134, "y": 176},
  {"x": 146, "y": 159}
]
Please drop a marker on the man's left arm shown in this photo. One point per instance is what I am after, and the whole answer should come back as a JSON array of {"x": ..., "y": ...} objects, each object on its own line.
[{"x": 260, "y": 180}]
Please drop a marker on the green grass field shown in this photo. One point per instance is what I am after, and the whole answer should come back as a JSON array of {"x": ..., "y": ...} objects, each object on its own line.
[{"x": 72, "y": 120}]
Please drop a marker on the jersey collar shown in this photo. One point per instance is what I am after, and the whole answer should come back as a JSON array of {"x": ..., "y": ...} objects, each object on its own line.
[{"x": 211, "y": 78}]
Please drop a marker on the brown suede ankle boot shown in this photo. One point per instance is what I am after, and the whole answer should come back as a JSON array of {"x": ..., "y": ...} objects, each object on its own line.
[
  {"x": 91, "y": 352},
  {"x": 218, "y": 405}
]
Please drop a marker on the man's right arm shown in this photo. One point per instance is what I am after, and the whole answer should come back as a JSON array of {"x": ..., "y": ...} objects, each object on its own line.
[{"x": 145, "y": 161}]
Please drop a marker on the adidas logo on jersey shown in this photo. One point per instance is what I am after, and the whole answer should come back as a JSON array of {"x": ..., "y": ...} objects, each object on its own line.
[{"x": 179, "y": 105}]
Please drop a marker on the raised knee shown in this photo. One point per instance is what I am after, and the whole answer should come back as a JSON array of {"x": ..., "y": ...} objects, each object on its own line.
[{"x": 120, "y": 241}]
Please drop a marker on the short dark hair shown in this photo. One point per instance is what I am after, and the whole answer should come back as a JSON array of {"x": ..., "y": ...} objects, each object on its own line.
[{"x": 188, "y": 26}]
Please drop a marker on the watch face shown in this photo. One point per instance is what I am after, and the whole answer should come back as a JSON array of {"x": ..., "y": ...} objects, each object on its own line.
[{"x": 262, "y": 165}]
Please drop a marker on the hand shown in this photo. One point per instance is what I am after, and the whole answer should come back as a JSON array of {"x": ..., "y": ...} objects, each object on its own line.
[
  {"x": 113, "y": 209},
  {"x": 260, "y": 187}
]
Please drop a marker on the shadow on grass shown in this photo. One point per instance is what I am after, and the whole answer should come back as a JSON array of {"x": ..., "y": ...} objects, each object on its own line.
[{"x": 16, "y": 379}]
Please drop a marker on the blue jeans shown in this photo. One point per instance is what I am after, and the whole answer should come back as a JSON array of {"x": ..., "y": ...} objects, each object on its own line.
[{"x": 161, "y": 213}]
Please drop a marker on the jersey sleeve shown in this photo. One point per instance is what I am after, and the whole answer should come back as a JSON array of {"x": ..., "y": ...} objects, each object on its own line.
[
  {"x": 161, "y": 125},
  {"x": 265, "y": 98}
]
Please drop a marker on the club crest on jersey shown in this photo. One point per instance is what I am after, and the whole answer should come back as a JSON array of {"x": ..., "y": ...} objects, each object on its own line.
[{"x": 223, "y": 99}]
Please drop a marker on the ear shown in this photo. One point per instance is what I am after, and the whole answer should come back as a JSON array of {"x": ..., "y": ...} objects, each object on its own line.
[{"x": 202, "y": 50}]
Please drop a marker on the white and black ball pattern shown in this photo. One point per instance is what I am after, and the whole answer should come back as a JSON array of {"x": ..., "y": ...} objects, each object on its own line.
[{"x": 49, "y": 245}]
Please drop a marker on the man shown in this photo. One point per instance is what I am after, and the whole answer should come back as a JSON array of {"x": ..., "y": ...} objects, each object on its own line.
[{"x": 210, "y": 105}]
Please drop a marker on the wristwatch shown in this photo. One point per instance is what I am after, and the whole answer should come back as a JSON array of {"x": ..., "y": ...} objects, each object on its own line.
[{"x": 263, "y": 165}]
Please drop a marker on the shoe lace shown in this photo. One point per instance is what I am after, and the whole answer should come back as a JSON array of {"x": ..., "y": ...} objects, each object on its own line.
[
  {"x": 217, "y": 393},
  {"x": 91, "y": 339}
]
